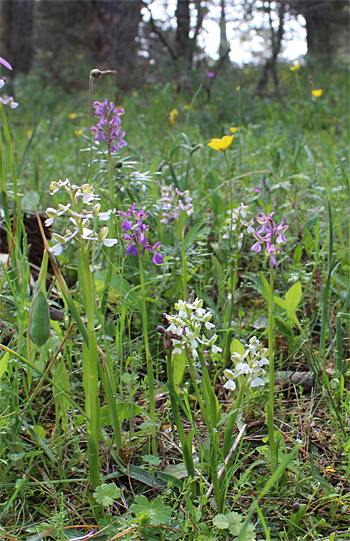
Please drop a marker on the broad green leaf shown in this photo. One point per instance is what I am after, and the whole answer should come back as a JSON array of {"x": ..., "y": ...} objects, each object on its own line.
[
  {"x": 125, "y": 410},
  {"x": 179, "y": 366},
  {"x": 293, "y": 297},
  {"x": 218, "y": 267},
  {"x": 194, "y": 231},
  {"x": 144, "y": 477},
  {"x": 177, "y": 470},
  {"x": 38, "y": 431},
  {"x": 280, "y": 302},
  {"x": 298, "y": 252},
  {"x": 237, "y": 347},
  {"x": 4, "y": 361}
]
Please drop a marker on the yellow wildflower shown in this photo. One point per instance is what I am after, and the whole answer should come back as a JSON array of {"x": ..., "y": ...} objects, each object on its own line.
[
  {"x": 317, "y": 93},
  {"x": 78, "y": 133},
  {"x": 29, "y": 133},
  {"x": 134, "y": 94},
  {"x": 186, "y": 107},
  {"x": 221, "y": 144},
  {"x": 72, "y": 116},
  {"x": 295, "y": 67},
  {"x": 233, "y": 130},
  {"x": 172, "y": 116}
]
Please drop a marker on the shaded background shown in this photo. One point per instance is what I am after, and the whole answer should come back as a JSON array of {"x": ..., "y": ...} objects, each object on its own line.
[{"x": 149, "y": 40}]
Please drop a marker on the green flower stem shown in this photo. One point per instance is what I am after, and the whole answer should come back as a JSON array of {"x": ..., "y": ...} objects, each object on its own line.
[
  {"x": 180, "y": 236},
  {"x": 270, "y": 405},
  {"x": 299, "y": 87},
  {"x": 150, "y": 373},
  {"x": 234, "y": 274},
  {"x": 188, "y": 459},
  {"x": 211, "y": 406},
  {"x": 232, "y": 419},
  {"x": 92, "y": 397},
  {"x": 202, "y": 407},
  {"x": 109, "y": 271},
  {"x": 4, "y": 190}
]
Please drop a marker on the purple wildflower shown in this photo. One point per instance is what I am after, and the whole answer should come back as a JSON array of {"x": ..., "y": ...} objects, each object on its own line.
[
  {"x": 135, "y": 234},
  {"x": 8, "y": 101},
  {"x": 210, "y": 74},
  {"x": 173, "y": 204},
  {"x": 5, "y": 63},
  {"x": 108, "y": 126},
  {"x": 270, "y": 230}
]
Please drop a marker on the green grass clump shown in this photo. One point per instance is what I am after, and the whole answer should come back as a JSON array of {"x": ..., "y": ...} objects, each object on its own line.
[{"x": 115, "y": 422}]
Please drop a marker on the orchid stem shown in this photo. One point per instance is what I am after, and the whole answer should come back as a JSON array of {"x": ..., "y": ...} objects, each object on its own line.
[
  {"x": 270, "y": 405},
  {"x": 150, "y": 372}
]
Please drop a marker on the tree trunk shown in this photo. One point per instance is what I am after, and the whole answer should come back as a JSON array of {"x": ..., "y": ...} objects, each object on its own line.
[
  {"x": 120, "y": 21},
  {"x": 276, "y": 41},
  {"x": 184, "y": 46},
  {"x": 224, "y": 46},
  {"x": 17, "y": 34},
  {"x": 317, "y": 14}
]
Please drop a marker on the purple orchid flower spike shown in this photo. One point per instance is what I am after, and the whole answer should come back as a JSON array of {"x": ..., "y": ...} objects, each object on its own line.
[
  {"x": 108, "y": 127},
  {"x": 270, "y": 230},
  {"x": 135, "y": 234}
]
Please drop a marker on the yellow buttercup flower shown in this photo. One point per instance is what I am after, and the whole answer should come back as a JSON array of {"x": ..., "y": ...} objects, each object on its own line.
[
  {"x": 295, "y": 67},
  {"x": 29, "y": 133},
  {"x": 172, "y": 116},
  {"x": 186, "y": 107},
  {"x": 317, "y": 93},
  {"x": 72, "y": 116},
  {"x": 233, "y": 130},
  {"x": 221, "y": 144},
  {"x": 78, "y": 133}
]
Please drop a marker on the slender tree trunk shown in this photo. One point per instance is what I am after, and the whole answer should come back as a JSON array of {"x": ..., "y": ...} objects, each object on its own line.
[
  {"x": 120, "y": 21},
  {"x": 184, "y": 46},
  {"x": 270, "y": 67},
  {"x": 317, "y": 14},
  {"x": 224, "y": 47},
  {"x": 17, "y": 33}
]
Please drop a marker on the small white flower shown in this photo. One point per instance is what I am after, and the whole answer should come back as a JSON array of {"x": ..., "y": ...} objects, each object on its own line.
[
  {"x": 256, "y": 382},
  {"x": 209, "y": 325},
  {"x": 230, "y": 384},
  {"x": 56, "y": 250},
  {"x": 104, "y": 216},
  {"x": 110, "y": 242}
]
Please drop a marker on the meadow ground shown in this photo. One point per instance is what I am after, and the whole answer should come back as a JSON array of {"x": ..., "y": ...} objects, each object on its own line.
[{"x": 187, "y": 386}]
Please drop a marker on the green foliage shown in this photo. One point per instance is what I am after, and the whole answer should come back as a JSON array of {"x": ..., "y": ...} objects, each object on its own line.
[
  {"x": 233, "y": 523},
  {"x": 105, "y": 494},
  {"x": 286, "y": 157},
  {"x": 153, "y": 512}
]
